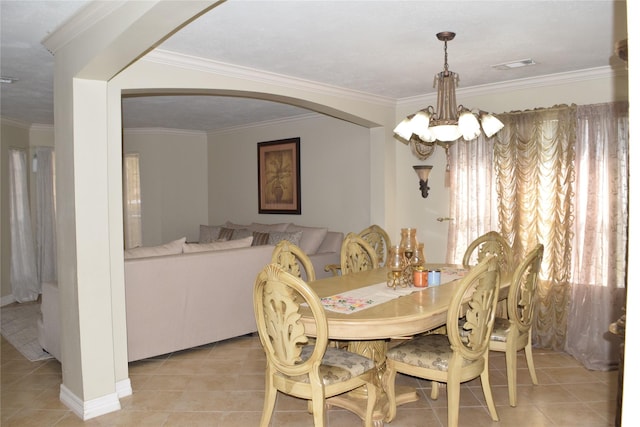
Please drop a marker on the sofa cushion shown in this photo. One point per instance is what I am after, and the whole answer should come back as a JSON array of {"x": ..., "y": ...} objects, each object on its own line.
[
  {"x": 171, "y": 248},
  {"x": 293, "y": 237},
  {"x": 266, "y": 228},
  {"x": 312, "y": 237},
  {"x": 217, "y": 246},
  {"x": 209, "y": 233}
]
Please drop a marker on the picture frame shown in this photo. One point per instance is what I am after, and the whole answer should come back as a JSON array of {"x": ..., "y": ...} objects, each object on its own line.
[{"x": 279, "y": 177}]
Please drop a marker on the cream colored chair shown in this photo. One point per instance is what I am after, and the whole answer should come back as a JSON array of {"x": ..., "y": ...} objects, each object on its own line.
[
  {"x": 293, "y": 260},
  {"x": 513, "y": 334},
  {"x": 356, "y": 255},
  {"x": 313, "y": 372},
  {"x": 451, "y": 358},
  {"x": 491, "y": 242},
  {"x": 379, "y": 240}
]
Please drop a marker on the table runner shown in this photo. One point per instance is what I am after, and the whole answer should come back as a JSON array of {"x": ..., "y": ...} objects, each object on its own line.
[{"x": 378, "y": 293}]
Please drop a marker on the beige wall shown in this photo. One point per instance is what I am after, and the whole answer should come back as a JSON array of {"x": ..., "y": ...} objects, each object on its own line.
[
  {"x": 173, "y": 181},
  {"x": 334, "y": 173},
  {"x": 12, "y": 135}
]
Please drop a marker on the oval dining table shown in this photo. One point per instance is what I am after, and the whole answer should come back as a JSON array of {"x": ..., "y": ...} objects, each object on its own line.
[{"x": 371, "y": 330}]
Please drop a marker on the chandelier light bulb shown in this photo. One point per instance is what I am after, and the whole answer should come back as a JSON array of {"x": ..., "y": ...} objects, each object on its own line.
[
  {"x": 446, "y": 133},
  {"x": 490, "y": 124},
  {"x": 469, "y": 125},
  {"x": 404, "y": 130}
]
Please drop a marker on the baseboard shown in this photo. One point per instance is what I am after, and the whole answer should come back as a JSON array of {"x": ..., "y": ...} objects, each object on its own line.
[
  {"x": 6, "y": 300},
  {"x": 90, "y": 408},
  {"x": 123, "y": 388}
]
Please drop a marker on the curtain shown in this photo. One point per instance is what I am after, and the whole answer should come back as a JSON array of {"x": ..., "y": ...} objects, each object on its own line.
[
  {"x": 23, "y": 274},
  {"x": 534, "y": 160},
  {"x": 132, "y": 201},
  {"x": 600, "y": 233},
  {"x": 561, "y": 179},
  {"x": 45, "y": 215},
  {"x": 473, "y": 208}
]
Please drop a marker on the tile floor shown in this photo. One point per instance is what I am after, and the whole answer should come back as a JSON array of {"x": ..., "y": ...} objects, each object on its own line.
[{"x": 222, "y": 385}]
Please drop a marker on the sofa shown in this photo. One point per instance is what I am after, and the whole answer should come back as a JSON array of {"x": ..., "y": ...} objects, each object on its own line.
[{"x": 186, "y": 294}]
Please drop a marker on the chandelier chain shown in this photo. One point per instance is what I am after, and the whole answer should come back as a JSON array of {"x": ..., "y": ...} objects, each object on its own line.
[{"x": 446, "y": 60}]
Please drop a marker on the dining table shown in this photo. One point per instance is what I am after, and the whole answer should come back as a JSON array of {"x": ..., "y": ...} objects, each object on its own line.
[{"x": 366, "y": 315}]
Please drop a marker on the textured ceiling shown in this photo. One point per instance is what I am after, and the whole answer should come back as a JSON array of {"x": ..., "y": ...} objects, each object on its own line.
[{"x": 383, "y": 48}]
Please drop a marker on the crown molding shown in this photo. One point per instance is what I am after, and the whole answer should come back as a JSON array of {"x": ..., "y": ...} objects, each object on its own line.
[
  {"x": 274, "y": 122},
  {"x": 528, "y": 83},
  {"x": 5, "y": 121},
  {"x": 85, "y": 18},
  {"x": 42, "y": 127},
  {"x": 175, "y": 59},
  {"x": 167, "y": 131}
]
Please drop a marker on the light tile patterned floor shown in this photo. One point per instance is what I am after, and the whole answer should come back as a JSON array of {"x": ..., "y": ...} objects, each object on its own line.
[{"x": 222, "y": 385}]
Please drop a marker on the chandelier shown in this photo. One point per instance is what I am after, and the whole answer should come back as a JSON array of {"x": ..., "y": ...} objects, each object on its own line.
[{"x": 449, "y": 121}]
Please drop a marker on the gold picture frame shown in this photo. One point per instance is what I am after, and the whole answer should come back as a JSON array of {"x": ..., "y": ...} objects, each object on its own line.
[{"x": 279, "y": 177}]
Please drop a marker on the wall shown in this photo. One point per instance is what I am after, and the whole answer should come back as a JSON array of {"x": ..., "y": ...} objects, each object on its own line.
[
  {"x": 173, "y": 182},
  {"x": 334, "y": 169},
  {"x": 12, "y": 135}
]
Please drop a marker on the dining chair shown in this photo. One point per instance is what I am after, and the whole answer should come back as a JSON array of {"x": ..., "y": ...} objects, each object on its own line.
[
  {"x": 293, "y": 259},
  {"x": 313, "y": 372},
  {"x": 451, "y": 358},
  {"x": 379, "y": 240},
  {"x": 356, "y": 255},
  {"x": 491, "y": 242},
  {"x": 513, "y": 333}
]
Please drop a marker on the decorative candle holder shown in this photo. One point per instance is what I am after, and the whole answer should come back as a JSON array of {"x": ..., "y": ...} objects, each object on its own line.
[
  {"x": 395, "y": 264},
  {"x": 404, "y": 258}
]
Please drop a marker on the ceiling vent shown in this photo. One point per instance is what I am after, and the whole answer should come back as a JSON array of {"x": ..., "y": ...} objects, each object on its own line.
[{"x": 514, "y": 64}]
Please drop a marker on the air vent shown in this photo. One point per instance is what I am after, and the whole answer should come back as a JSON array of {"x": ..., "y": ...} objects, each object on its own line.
[{"x": 514, "y": 64}]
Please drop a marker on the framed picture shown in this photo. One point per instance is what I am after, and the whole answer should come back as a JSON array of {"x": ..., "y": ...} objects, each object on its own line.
[{"x": 279, "y": 177}]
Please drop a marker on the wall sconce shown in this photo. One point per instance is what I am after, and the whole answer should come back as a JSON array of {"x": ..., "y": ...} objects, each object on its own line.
[{"x": 423, "y": 172}]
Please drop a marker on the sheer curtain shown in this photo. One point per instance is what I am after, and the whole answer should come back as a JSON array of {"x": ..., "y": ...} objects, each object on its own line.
[
  {"x": 561, "y": 179},
  {"x": 598, "y": 263},
  {"x": 534, "y": 155},
  {"x": 23, "y": 273},
  {"x": 132, "y": 201},
  {"x": 45, "y": 215},
  {"x": 473, "y": 208}
]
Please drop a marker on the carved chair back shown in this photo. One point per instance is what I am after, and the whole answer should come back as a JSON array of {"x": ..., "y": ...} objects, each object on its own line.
[
  {"x": 379, "y": 240},
  {"x": 357, "y": 255},
  {"x": 293, "y": 260}
]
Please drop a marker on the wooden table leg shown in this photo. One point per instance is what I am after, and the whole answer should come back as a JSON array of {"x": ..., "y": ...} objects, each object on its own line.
[{"x": 356, "y": 400}]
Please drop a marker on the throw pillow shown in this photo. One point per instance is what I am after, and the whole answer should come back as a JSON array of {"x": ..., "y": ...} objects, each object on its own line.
[
  {"x": 312, "y": 237},
  {"x": 276, "y": 236},
  {"x": 225, "y": 234},
  {"x": 189, "y": 248},
  {"x": 209, "y": 233},
  {"x": 171, "y": 248},
  {"x": 230, "y": 224},
  {"x": 266, "y": 228},
  {"x": 260, "y": 239},
  {"x": 241, "y": 233}
]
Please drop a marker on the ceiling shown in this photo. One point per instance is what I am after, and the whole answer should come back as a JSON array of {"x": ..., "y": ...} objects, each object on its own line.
[{"x": 382, "y": 48}]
